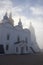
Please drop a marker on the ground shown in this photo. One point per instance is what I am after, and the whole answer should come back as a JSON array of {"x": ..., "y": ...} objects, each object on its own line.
[{"x": 29, "y": 59}]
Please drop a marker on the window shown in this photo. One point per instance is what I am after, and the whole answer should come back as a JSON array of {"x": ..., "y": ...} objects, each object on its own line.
[
  {"x": 26, "y": 48},
  {"x": 18, "y": 39},
  {"x": 26, "y": 40},
  {"x": 8, "y": 37},
  {"x": 16, "y": 49},
  {"x": 1, "y": 49},
  {"x": 7, "y": 47},
  {"x": 22, "y": 50}
]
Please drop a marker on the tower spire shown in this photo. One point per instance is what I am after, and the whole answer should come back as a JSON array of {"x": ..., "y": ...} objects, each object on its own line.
[
  {"x": 6, "y": 14},
  {"x": 19, "y": 19},
  {"x": 31, "y": 28}
]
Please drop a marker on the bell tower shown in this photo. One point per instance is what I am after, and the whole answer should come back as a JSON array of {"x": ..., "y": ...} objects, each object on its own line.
[{"x": 33, "y": 37}]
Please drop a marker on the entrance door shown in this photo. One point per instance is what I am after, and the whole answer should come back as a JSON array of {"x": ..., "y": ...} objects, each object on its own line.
[
  {"x": 22, "y": 50},
  {"x": 1, "y": 49}
]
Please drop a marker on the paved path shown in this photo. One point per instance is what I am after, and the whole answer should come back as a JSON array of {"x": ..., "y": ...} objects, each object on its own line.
[{"x": 36, "y": 59}]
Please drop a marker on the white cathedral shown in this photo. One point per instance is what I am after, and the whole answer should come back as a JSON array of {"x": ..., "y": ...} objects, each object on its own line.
[{"x": 15, "y": 39}]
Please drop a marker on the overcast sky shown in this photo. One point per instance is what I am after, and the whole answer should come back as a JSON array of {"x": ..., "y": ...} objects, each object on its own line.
[{"x": 27, "y": 10}]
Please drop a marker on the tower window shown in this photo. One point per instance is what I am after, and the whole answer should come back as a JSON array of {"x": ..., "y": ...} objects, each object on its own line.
[
  {"x": 7, "y": 47},
  {"x": 8, "y": 36}
]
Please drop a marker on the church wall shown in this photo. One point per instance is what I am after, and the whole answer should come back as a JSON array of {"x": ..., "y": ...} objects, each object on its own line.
[
  {"x": 9, "y": 36},
  {"x": 13, "y": 33}
]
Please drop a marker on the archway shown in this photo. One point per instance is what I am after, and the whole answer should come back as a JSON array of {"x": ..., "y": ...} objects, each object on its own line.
[
  {"x": 1, "y": 49},
  {"x": 22, "y": 50}
]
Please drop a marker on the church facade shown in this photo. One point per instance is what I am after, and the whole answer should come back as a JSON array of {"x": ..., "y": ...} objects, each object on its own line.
[{"x": 15, "y": 39}]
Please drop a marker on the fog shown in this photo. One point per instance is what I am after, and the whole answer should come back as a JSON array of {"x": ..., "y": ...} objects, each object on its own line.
[
  {"x": 38, "y": 26},
  {"x": 28, "y": 10}
]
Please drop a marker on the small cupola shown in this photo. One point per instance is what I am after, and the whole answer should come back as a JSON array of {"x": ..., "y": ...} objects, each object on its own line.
[
  {"x": 11, "y": 21},
  {"x": 20, "y": 23},
  {"x": 5, "y": 16}
]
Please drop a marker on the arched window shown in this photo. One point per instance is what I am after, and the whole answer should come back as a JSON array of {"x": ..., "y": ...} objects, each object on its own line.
[
  {"x": 22, "y": 50},
  {"x": 26, "y": 40},
  {"x": 8, "y": 36},
  {"x": 26, "y": 48},
  {"x": 7, "y": 47},
  {"x": 16, "y": 49},
  {"x": 18, "y": 39}
]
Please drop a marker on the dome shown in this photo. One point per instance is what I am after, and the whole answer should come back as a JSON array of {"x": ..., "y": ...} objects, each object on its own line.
[
  {"x": 5, "y": 16},
  {"x": 11, "y": 21}
]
